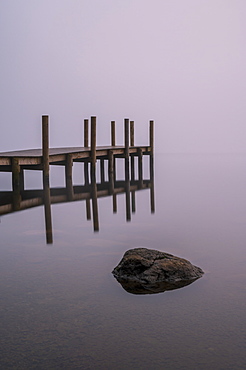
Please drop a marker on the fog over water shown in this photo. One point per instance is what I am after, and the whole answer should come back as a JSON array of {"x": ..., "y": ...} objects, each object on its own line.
[{"x": 181, "y": 63}]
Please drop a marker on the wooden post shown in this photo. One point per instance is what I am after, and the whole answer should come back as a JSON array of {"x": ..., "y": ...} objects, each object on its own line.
[
  {"x": 126, "y": 122},
  {"x": 131, "y": 133},
  {"x": 140, "y": 167},
  {"x": 69, "y": 178},
  {"x": 16, "y": 183},
  {"x": 93, "y": 141},
  {"x": 86, "y": 172},
  {"x": 86, "y": 133},
  {"x": 113, "y": 133},
  {"x": 111, "y": 171},
  {"x": 132, "y": 167},
  {"x": 151, "y": 137},
  {"x": 45, "y": 149},
  {"x": 102, "y": 171}
]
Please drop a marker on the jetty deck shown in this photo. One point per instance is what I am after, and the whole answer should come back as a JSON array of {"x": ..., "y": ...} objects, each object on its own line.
[{"x": 34, "y": 157}]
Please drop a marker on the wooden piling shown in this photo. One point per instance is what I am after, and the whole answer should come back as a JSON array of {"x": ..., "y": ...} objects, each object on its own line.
[
  {"x": 102, "y": 170},
  {"x": 131, "y": 133},
  {"x": 93, "y": 141},
  {"x": 113, "y": 140},
  {"x": 151, "y": 137},
  {"x": 111, "y": 171},
  {"x": 126, "y": 127},
  {"x": 140, "y": 167},
  {"x": 68, "y": 175},
  {"x": 45, "y": 149},
  {"x": 86, "y": 133},
  {"x": 15, "y": 174}
]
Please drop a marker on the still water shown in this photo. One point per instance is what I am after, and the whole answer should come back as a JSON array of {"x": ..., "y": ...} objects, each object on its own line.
[{"x": 61, "y": 307}]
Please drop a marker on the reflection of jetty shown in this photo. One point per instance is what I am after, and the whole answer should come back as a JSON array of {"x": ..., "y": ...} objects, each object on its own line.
[{"x": 41, "y": 159}]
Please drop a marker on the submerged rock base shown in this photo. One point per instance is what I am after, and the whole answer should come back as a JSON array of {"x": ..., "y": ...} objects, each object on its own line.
[{"x": 147, "y": 271}]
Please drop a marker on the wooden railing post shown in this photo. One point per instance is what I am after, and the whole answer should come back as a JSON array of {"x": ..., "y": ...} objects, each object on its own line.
[
  {"x": 151, "y": 137},
  {"x": 45, "y": 149},
  {"x": 113, "y": 133},
  {"x": 93, "y": 141},
  {"x": 131, "y": 133},
  {"x": 86, "y": 133},
  {"x": 126, "y": 124}
]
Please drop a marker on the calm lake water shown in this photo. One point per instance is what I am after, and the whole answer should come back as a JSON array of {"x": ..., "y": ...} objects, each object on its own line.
[{"x": 61, "y": 307}]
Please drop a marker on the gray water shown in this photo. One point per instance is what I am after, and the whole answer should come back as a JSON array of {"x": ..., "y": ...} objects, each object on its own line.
[{"x": 61, "y": 307}]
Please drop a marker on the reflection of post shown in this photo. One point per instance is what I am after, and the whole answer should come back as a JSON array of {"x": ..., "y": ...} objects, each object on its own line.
[
  {"x": 94, "y": 199},
  {"x": 140, "y": 167},
  {"x": 47, "y": 213},
  {"x": 114, "y": 203},
  {"x": 86, "y": 179},
  {"x": 128, "y": 200},
  {"x": 133, "y": 201},
  {"x": 152, "y": 188},
  {"x": 16, "y": 183},
  {"x": 69, "y": 178}
]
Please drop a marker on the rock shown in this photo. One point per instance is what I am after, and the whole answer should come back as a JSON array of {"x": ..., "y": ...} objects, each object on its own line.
[{"x": 147, "y": 271}]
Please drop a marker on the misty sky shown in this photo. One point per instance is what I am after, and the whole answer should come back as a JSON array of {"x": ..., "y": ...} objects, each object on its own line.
[{"x": 179, "y": 62}]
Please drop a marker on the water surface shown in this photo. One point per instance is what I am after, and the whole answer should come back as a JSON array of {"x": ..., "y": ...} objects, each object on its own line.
[{"x": 62, "y": 308}]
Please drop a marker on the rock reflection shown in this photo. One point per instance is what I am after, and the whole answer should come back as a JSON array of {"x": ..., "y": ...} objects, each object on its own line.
[{"x": 134, "y": 287}]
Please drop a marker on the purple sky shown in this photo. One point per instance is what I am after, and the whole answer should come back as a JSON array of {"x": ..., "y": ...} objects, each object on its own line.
[{"x": 179, "y": 62}]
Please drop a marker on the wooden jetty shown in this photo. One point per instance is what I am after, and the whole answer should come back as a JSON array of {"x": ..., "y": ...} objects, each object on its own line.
[{"x": 41, "y": 159}]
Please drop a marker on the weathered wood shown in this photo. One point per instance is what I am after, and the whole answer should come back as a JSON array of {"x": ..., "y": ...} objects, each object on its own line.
[
  {"x": 45, "y": 149},
  {"x": 140, "y": 167},
  {"x": 111, "y": 171},
  {"x": 16, "y": 174},
  {"x": 86, "y": 133},
  {"x": 113, "y": 139},
  {"x": 102, "y": 170},
  {"x": 126, "y": 131},
  {"x": 132, "y": 167},
  {"x": 131, "y": 133},
  {"x": 69, "y": 176},
  {"x": 93, "y": 141},
  {"x": 151, "y": 137}
]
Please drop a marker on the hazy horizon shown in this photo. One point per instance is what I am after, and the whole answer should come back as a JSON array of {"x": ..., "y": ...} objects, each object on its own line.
[{"x": 180, "y": 63}]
